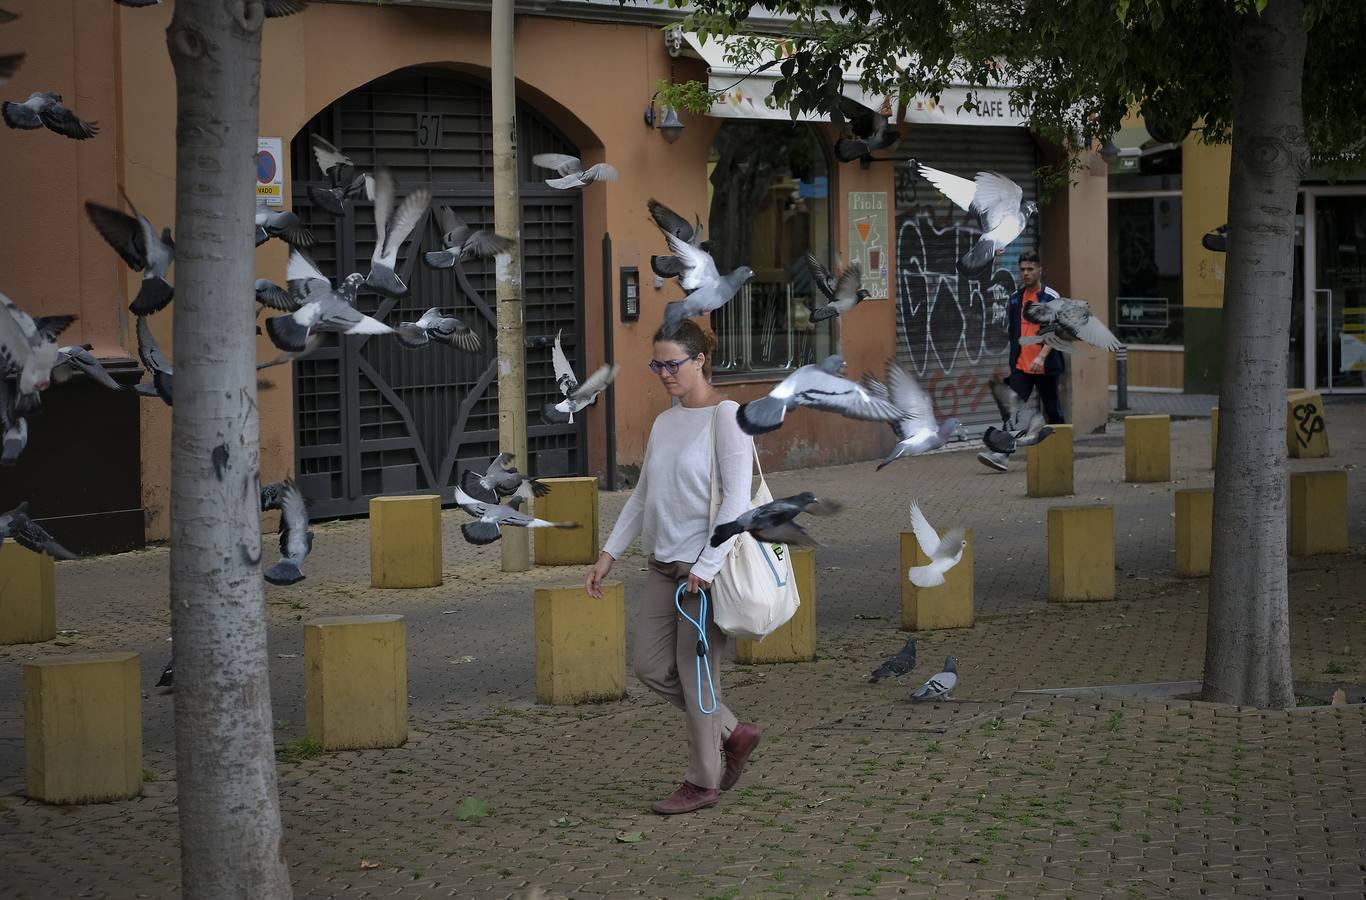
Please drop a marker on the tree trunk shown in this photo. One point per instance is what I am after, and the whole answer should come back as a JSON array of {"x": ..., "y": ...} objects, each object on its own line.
[
  {"x": 1247, "y": 651},
  {"x": 230, "y": 833}
]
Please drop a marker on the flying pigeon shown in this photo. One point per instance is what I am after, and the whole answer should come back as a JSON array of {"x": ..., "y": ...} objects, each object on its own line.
[
  {"x": 274, "y": 9},
  {"x": 915, "y": 426},
  {"x": 500, "y": 480},
  {"x": 872, "y": 131},
  {"x": 134, "y": 239},
  {"x": 29, "y": 534},
  {"x": 843, "y": 293},
  {"x": 572, "y": 171},
  {"x": 1216, "y": 240},
  {"x": 322, "y": 308},
  {"x": 1063, "y": 321},
  {"x": 392, "y": 228},
  {"x": 156, "y": 364},
  {"x": 461, "y": 242},
  {"x": 576, "y": 396},
  {"x": 671, "y": 222},
  {"x": 996, "y": 201},
  {"x": 432, "y": 326},
  {"x": 1024, "y": 424},
  {"x": 775, "y": 522},
  {"x": 295, "y": 539},
  {"x": 708, "y": 290},
  {"x": 347, "y": 181},
  {"x": 167, "y": 679},
  {"x": 938, "y": 687},
  {"x": 28, "y": 346},
  {"x": 492, "y": 516},
  {"x": 77, "y": 357},
  {"x": 13, "y": 427},
  {"x": 46, "y": 109},
  {"x": 9, "y": 64},
  {"x": 943, "y": 553},
  {"x": 818, "y": 387},
  {"x": 272, "y": 496},
  {"x": 282, "y": 224},
  {"x": 896, "y": 665},
  {"x": 271, "y": 296}
]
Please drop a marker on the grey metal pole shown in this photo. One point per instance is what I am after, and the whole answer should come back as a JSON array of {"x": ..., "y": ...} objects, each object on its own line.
[
  {"x": 507, "y": 220},
  {"x": 1122, "y": 378}
]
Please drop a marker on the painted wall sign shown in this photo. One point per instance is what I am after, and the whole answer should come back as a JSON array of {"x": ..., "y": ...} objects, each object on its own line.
[
  {"x": 868, "y": 239},
  {"x": 270, "y": 171}
]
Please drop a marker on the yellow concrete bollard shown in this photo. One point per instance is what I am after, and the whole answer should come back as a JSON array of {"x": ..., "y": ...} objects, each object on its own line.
[
  {"x": 405, "y": 541},
  {"x": 356, "y": 681},
  {"x": 1048, "y": 471},
  {"x": 28, "y": 596},
  {"x": 1306, "y": 430},
  {"x": 83, "y": 728},
  {"x": 795, "y": 641},
  {"x": 1081, "y": 553},
  {"x": 1318, "y": 512},
  {"x": 580, "y": 644},
  {"x": 569, "y": 500},
  {"x": 1147, "y": 448},
  {"x": 1194, "y": 531},
  {"x": 948, "y": 606}
]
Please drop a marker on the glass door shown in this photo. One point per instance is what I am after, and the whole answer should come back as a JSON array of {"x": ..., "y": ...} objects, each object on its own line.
[{"x": 1338, "y": 292}]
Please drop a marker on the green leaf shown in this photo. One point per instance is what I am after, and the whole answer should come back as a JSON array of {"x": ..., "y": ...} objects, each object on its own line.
[
  {"x": 471, "y": 809},
  {"x": 1122, "y": 9},
  {"x": 1261, "y": 6},
  {"x": 630, "y": 837}
]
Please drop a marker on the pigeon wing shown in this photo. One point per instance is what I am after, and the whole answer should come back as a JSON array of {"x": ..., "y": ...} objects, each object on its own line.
[
  {"x": 821, "y": 390},
  {"x": 328, "y": 156},
  {"x": 1076, "y": 316},
  {"x": 997, "y": 197},
  {"x": 270, "y": 294},
  {"x": 410, "y": 212},
  {"x": 83, "y": 360},
  {"x": 908, "y": 397},
  {"x": 65, "y": 122},
  {"x": 596, "y": 383},
  {"x": 306, "y": 283},
  {"x": 561, "y": 163},
  {"x": 850, "y": 280},
  {"x": 699, "y": 269},
  {"x": 1007, "y": 401},
  {"x": 293, "y": 517},
  {"x": 472, "y": 505},
  {"x": 122, "y": 232},
  {"x": 384, "y": 207},
  {"x": 31, "y": 535},
  {"x": 925, "y": 535},
  {"x": 602, "y": 172},
  {"x": 961, "y": 191},
  {"x": 15, "y": 345},
  {"x": 564, "y": 373},
  {"x": 669, "y": 221},
  {"x": 148, "y": 350},
  {"x": 821, "y": 276},
  {"x": 788, "y": 532}
]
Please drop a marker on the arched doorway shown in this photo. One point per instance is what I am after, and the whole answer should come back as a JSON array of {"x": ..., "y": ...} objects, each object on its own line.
[{"x": 371, "y": 417}]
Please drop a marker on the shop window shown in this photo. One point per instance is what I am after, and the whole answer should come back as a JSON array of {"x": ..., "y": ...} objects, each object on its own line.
[
  {"x": 1145, "y": 268},
  {"x": 769, "y": 191}
]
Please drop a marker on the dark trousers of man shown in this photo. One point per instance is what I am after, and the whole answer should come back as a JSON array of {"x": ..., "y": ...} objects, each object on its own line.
[{"x": 1023, "y": 384}]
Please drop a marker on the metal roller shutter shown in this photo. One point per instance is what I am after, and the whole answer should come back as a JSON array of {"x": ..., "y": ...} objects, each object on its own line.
[{"x": 951, "y": 329}]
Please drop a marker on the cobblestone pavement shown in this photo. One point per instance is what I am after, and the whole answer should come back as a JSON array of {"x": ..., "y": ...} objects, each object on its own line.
[{"x": 853, "y": 791}]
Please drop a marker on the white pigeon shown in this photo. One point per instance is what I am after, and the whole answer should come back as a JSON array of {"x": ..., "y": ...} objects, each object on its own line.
[
  {"x": 997, "y": 201},
  {"x": 392, "y": 228},
  {"x": 45, "y": 108},
  {"x": 322, "y": 308},
  {"x": 571, "y": 171},
  {"x": 943, "y": 553},
  {"x": 145, "y": 251},
  {"x": 577, "y": 395},
  {"x": 492, "y": 516},
  {"x": 818, "y": 387},
  {"x": 296, "y": 541},
  {"x": 938, "y": 687},
  {"x": 432, "y": 326},
  {"x": 916, "y": 428},
  {"x": 708, "y": 290},
  {"x": 461, "y": 242},
  {"x": 28, "y": 346},
  {"x": 1063, "y": 321}
]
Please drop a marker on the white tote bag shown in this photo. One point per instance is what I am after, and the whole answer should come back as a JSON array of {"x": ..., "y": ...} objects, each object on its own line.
[{"x": 755, "y": 592}]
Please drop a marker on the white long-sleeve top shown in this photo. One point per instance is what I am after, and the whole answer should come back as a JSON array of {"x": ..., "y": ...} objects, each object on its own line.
[{"x": 670, "y": 509}]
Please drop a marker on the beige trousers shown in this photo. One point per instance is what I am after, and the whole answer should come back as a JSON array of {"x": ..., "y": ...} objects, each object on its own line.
[{"x": 666, "y": 662}]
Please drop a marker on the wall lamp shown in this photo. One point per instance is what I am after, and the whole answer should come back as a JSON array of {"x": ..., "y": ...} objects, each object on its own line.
[{"x": 668, "y": 124}]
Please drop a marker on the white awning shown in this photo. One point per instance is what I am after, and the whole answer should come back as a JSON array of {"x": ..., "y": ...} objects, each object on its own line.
[{"x": 746, "y": 96}]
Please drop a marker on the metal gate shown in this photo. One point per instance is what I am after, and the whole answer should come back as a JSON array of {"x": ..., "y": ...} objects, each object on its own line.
[
  {"x": 952, "y": 329},
  {"x": 373, "y": 418}
]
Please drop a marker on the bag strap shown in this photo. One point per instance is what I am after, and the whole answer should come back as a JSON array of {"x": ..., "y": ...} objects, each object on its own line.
[{"x": 716, "y": 469}]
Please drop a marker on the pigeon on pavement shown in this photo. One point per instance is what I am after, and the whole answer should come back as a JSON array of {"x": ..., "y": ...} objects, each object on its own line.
[
  {"x": 295, "y": 539},
  {"x": 134, "y": 239},
  {"x": 13, "y": 427},
  {"x": 997, "y": 201},
  {"x": 156, "y": 363},
  {"x": 392, "y": 227},
  {"x": 28, "y": 348},
  {"x": 671, "y": 222},
  {"x": 282, "y": 224},
  {"x": 321, "y": 308},
  {"x": 708, "y": 290},
  {"x": 501, "y": 479},
  {"x": 915, "y": 426},
  {"x": 774, "y": 522},
  {"x": 492, "y": 516},
  {"x": 77, "y": 357},
  {"x": 572, "y": 171},
  {"x": 29, "y": 534},
  {"x": 42, "y": 109},
  {"x": 1063, "y": 321},
  {"x": 872, "y": 131},
  {"x": 938, "y": 687},
  {"x": 842, "y": 294},
  {"x": 943, "y": 553},
  {"x": 432, "y": 326},
  {"x": 577, "y": 395},
  {"x": 896, "y": 665},
  {"x": 1023, "y": 423},
  {"x": 818, "y": 387},
  {"x": 461, "y": 242},
  {"x": 347, "y": 182}
]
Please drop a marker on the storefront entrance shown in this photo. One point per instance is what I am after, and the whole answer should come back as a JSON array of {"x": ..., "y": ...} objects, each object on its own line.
[{"x": 1334, "y": 289}]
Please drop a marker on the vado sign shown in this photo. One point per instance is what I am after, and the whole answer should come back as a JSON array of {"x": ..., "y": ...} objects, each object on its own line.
[{"x": 270, "y": 169}]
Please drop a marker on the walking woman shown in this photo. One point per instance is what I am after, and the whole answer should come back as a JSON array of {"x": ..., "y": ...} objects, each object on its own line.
[{"x": 691, "y": 446}]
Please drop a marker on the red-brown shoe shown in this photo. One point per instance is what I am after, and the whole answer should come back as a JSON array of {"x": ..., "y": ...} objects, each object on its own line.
[
  {"x": 737, "y": 748},
  {"x": 688, "y": 798}
]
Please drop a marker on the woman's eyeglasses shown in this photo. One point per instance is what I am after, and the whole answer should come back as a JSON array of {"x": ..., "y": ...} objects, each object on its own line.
[{"x": 673, "y": 365}]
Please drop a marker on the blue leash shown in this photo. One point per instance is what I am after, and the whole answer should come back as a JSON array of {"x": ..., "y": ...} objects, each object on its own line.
[{"x": 703, "y": 647}]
